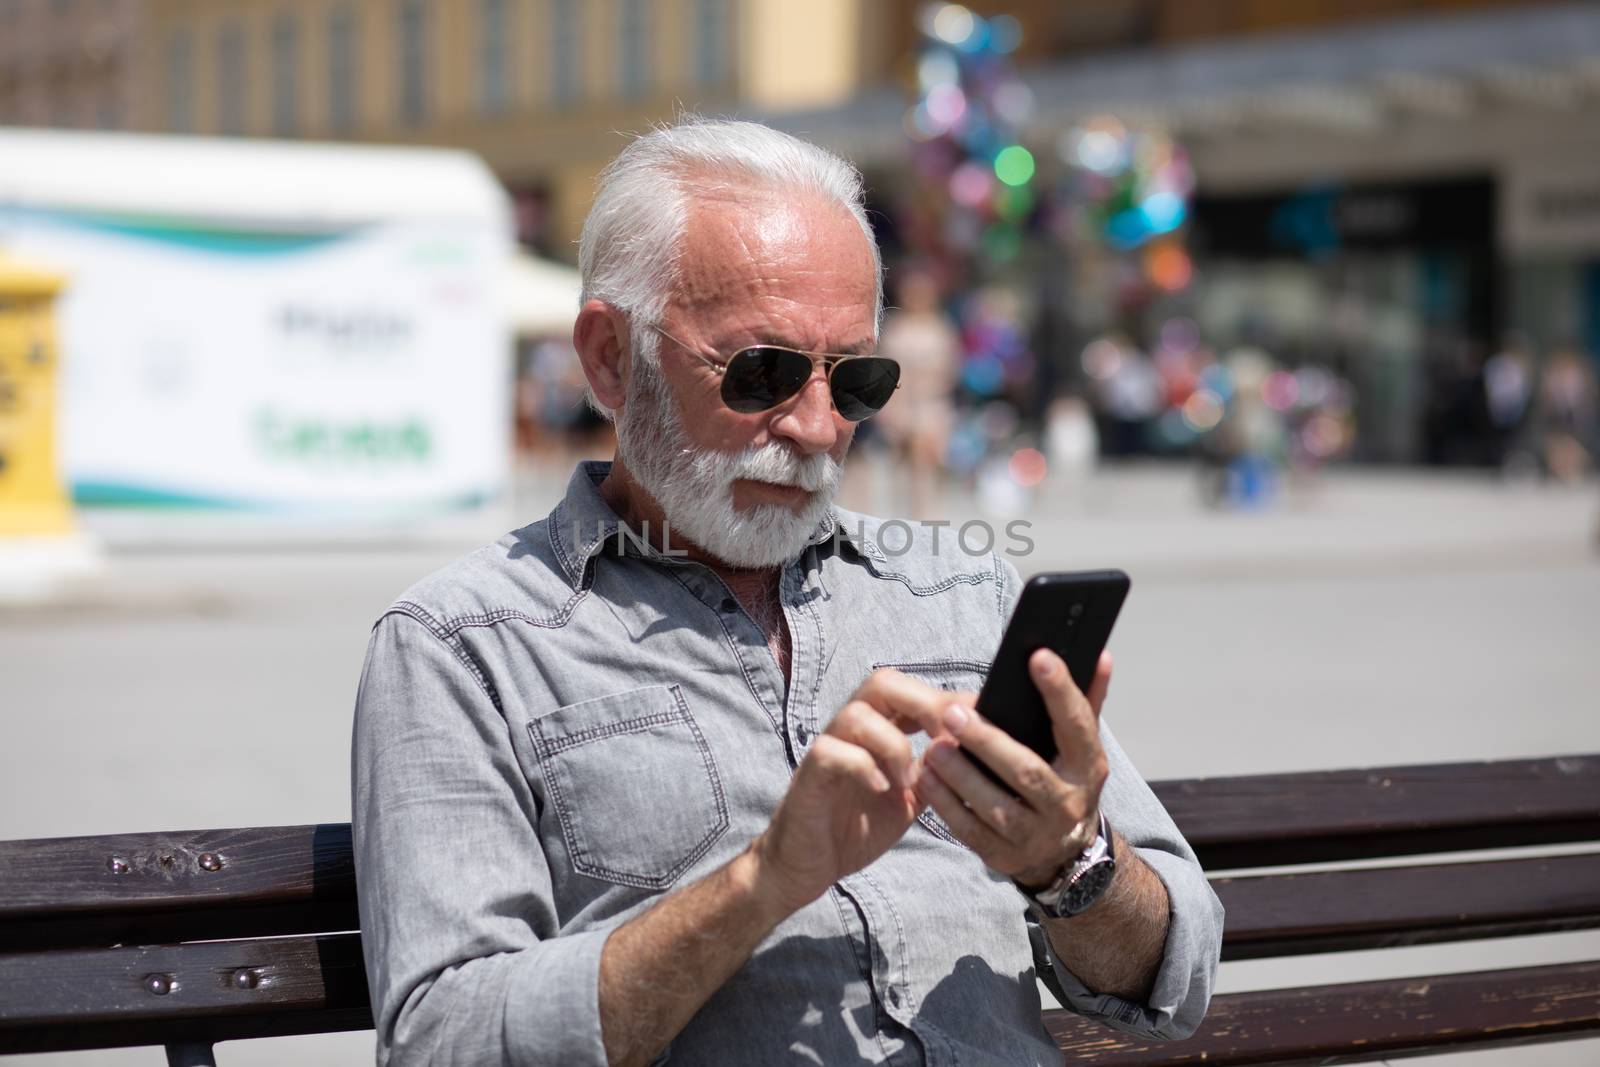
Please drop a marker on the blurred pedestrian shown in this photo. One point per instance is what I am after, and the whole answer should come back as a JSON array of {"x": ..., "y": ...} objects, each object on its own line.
[
  {"x": 923, "y": 340},
  {"x": 1072, "y": 442},
  {"x": 1130, "y": 393},
  {"x": 1567, "y": 412},
  {"x": 1507, "y": 393}
]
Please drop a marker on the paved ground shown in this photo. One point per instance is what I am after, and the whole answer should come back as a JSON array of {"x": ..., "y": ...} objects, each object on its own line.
[{"x": 206, "y": 679}]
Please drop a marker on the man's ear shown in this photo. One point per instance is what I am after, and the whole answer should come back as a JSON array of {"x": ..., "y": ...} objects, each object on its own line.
[{"x": 601, "y": 337}]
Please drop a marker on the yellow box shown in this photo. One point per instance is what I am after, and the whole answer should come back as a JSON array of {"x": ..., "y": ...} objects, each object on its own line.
[{"x": 33, "y": 501}]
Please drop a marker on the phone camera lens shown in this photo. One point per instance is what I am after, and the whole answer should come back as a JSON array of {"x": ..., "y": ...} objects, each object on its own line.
[{"x": 1076, "y": 610}]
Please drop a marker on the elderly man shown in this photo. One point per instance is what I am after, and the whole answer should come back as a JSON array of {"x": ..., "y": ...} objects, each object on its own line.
[{"x": 677, "y": 772}]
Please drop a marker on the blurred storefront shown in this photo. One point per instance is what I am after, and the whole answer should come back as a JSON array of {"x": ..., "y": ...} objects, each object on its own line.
[
  {"x": 1391, "y": 287},
  {"x": 1550, "y": 226},
  {"x": 1385, "y": 189}
]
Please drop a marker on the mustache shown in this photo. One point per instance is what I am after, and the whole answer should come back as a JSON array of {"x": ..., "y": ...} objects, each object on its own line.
[{"x": 780, "y": 465}]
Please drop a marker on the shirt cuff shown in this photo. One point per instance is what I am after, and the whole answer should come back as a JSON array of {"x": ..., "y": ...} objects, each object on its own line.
[
  {"x": 1182, "y": 989},
  {"x": 552, "y": 1012}
]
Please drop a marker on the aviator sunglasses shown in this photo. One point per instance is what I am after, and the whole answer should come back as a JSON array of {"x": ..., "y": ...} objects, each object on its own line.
[{"x": 763, "y": 376}]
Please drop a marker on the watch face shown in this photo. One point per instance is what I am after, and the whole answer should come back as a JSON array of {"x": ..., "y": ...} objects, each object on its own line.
[{"x": 1086, "y": 888}]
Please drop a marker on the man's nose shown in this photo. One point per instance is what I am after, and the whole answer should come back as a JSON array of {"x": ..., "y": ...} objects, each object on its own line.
[{"x": 807, "y": 420}]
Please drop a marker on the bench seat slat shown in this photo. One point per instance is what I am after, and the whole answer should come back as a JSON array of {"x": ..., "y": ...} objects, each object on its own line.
[
  {"x": 316, "y": 985},
  {"x": 1336, "y": 911},
  {"x": 1398, "y": 1017},
  {"x": 101, "y": 998}
]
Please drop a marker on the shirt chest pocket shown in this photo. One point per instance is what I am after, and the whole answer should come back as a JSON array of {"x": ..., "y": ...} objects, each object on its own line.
[
  {"x": 953, "y": 676},
  {"x": 633, "y": 785}
]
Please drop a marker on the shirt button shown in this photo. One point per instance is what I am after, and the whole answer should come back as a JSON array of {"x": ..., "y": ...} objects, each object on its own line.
[
  {"x": 729, "y": 605},
  {"x": 894, "y": 997},
  {"x": 802, "y": 733}
]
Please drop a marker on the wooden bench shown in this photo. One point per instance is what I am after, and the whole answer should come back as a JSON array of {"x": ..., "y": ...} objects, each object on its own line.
[{"x": 187, "y": 939}]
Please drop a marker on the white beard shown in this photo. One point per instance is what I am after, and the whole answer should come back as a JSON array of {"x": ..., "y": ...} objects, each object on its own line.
[{"x": 694, "y": 487}]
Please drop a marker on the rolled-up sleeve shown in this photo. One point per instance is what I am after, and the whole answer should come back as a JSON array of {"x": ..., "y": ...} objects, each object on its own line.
[
  {"x": 1188, "y": 970},
  {"x": 459, "y": 930}
]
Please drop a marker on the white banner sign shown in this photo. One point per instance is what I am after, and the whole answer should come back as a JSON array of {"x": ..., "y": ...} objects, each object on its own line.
[{"x": 364, "y": 369}]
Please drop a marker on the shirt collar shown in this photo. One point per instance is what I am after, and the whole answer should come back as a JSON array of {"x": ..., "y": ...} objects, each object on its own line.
[{"x": 583, "y": 523}]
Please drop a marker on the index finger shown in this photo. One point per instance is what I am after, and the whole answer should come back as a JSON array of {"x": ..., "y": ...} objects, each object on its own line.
[
  {"x": 1018, "y": 766},
  {"x": 908, "y": 703}
]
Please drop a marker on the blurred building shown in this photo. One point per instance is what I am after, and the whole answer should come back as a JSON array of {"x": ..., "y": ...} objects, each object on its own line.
[
  {"x": 1384, "y": 187},
  {"x": 542, "y": 89},
  {"x": 67, "y": 62}
]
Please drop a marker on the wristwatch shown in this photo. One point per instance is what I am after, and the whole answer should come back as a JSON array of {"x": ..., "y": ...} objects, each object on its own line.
[{"x": 1081, "y": 882}]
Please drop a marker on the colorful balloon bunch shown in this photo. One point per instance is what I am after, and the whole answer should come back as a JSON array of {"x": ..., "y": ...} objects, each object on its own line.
[
  {"x": 1128, "y": 190},
  {"x": 964, "y": 134}
]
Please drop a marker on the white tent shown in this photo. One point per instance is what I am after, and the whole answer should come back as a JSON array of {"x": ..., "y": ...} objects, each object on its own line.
[
  {"x": 259, "y": 184},
  {"x": 541, "y": 296}
]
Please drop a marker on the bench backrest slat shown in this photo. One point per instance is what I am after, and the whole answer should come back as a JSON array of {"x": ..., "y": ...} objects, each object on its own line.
[
  {"x": 303, "y": 872},
  {"x": 176, "y": 886},
  {"x": 1330, "y": 816},
  {"x": 264, "y": 865}
]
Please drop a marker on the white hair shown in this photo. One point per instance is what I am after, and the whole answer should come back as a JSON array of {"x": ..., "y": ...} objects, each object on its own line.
[{"x": 628, "y": 251}]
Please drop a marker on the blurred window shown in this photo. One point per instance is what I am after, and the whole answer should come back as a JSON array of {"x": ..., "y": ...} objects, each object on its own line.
[
  {"x": 566, "y": 50},
  {"x": 285, "y": 71},
  {"x": 494, "y": 44},
  {"x": 712, "y": 50},
  {"x": 634, "y": 49},
  {"x": 413, "y": 61},
  {"x": 342, "y": 69},
  {"x": 230, "y": 78},
  {"x": 180, "y": 81}
]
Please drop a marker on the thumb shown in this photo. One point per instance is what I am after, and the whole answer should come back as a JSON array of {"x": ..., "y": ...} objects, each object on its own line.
[{"x": 1072, "y": 719}]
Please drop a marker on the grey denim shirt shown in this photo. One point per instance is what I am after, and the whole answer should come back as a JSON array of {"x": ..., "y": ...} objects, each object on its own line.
[{"x": 557, "y": 730}]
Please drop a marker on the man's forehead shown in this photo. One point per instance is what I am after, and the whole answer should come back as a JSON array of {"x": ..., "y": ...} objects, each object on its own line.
[{"x": 743, "y": 246}]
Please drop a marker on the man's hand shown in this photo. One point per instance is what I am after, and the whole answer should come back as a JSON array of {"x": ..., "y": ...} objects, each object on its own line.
[
  {"x": 852, "y": 796},
  {"x": 1056, "y": 811}
]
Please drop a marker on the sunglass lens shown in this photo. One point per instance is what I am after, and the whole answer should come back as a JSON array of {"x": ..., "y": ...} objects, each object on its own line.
[
  {"x": 763, "y": 377},
  {"x": 861, "y": 386}
]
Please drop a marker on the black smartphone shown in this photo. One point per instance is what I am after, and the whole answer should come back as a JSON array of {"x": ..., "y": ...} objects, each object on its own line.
[{"x": 1069, "y": 613}]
